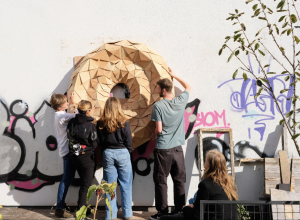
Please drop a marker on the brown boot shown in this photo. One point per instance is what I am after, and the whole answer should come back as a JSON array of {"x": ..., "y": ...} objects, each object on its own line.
[{"x": 62, "y": 213}]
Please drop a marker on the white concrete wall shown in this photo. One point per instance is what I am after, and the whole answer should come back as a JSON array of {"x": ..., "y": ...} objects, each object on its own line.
[{"x": 38, "y": 40}]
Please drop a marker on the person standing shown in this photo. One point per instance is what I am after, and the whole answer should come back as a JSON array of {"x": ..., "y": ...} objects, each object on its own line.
[
  {"x": 115, "y": 137},
  {"x": 82, "y": 136},
  {"x": 59, "y": 103},
  {"x": 169, "y": 133}
]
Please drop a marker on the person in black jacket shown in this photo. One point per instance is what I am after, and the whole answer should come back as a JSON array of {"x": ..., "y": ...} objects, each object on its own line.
[
  {"x": 216, "y": 184},
  {"x": 82, "y": 137},
  {"x": 115, "y": 137}
]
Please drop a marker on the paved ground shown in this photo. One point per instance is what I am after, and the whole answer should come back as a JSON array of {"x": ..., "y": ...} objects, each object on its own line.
[{"x": 46, "y": 214}]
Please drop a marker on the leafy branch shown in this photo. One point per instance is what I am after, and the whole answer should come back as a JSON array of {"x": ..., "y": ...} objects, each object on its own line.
[
  {"x": 100, "y": 190},
  {"x": 252, "y": 47}
]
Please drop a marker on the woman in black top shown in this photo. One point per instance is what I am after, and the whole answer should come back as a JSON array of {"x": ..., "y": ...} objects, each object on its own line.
[
  {"x": 115, "y": 137},
  {"x": 82, "y": 136},
  {"x": 217, "y": 184}
]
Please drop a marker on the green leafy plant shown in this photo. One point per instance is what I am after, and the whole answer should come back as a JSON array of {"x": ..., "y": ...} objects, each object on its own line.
[
  {"x": 100, "y": 190},
  {"x": 242, "y": 214},
  {"x": 278, "y": 31}
]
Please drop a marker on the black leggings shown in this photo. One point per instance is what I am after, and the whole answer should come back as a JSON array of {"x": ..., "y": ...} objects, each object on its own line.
[{"x": 85, "y": 165}]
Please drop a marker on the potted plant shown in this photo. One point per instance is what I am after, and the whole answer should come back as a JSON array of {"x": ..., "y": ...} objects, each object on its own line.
[{"x": 100, "y": 190}]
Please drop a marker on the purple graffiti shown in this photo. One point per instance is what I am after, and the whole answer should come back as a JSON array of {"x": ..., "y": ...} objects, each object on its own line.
[{"x": 242, "y": 100}]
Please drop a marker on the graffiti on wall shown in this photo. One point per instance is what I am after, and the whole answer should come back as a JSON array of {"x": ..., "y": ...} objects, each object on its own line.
[
  {"x": 34, "y": 179},
  {"x": 239, "y": 149},
  {"x": 262, "y": 109}
]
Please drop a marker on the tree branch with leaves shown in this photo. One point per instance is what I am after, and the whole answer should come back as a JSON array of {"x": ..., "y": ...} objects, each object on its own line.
[{"x": 252, "y": 47}]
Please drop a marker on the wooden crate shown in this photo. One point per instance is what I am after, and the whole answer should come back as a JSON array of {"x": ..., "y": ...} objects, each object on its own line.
[{"x": 272, "y": 174}]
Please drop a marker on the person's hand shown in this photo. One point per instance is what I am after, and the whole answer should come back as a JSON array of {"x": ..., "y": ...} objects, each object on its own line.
[
  {"x": 190, "y": 205},
  {"x": 153, "y": 136},
  {"x": 72, "y": 98},
  {"x": 171, "y": 72}
]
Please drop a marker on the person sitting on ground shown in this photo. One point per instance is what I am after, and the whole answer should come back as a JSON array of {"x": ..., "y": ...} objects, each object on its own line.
[
  {"x": 83, "y": 141},
  {"x": 115, "y": 137},
  {"x": 61, "y": 118},
  {"x": 216, "y": 184}
]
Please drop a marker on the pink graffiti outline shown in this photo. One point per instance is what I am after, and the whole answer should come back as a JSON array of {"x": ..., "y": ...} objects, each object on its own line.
[{"x": 27, "y": 184}]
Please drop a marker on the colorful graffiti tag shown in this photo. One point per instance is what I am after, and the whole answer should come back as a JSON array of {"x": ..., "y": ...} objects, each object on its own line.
[
  {"x": 34, "y": 179},
  {"x": 263, "y": 108}
]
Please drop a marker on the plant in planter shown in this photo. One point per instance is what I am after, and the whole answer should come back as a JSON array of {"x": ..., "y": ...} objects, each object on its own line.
[
  {"x": 242, "y": 214},
  {"x": 100, "y": 190},
  {"x": 279, "y": 27}
]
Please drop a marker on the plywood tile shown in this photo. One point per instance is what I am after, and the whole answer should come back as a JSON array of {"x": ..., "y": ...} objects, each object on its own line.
[
  {"x": 132, "y": 63},
  {"x": 93, "y": 73},
  {"x": 284, "y": 167}
]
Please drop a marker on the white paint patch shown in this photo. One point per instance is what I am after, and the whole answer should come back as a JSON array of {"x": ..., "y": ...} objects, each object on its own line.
[
  {"x": 192, "y": 118},
  {"x": 218, "y": 144},
  {"x": 252, "y": 144},
  {"x": 227, "y": 153},
  {"x": 142, "y": 165},
  {"x": 236, "y": 149}
]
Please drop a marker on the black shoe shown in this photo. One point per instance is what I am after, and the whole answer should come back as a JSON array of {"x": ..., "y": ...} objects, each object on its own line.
[
  {"x": 175, "y": 212},
  {"x": 88, "y": 212},
  {"x": 61, "y": 213},
  {"x": 157, "y": 215},
  {"x": 70, "y": 209}
]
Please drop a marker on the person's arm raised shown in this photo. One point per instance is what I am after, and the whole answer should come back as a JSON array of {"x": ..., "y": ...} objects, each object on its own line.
[
  {"x": 73, "y": 105},
  {"x": 186, "y": 86}
]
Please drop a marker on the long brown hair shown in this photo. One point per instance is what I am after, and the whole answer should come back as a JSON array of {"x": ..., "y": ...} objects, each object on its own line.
[
  {"x": 112, "y": 116},
  {"x": 218, "y": 173}
]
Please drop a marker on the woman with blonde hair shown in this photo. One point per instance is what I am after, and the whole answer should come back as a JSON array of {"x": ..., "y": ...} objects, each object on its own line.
[
  {"x": 216, "y": 184},
  {"x": 115, "y": 137},
  {"x": 82, "y": 136}
]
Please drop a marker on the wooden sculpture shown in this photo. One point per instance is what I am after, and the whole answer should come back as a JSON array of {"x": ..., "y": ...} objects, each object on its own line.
[{"x": 128, "y": 62}]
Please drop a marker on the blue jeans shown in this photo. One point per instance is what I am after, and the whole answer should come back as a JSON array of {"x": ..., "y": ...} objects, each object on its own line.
[
  {"x": 67, "y": 178},
  {"x": 117, "y": 165}
]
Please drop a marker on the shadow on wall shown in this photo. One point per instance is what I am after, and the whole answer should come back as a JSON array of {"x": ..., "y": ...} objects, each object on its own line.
[
  {"x": 142, "y": 166},
  {"x": 191, "y": 147},
  {"x": 34, "y": 133},
  {"x": 63, "y": 85},
  {"x": 30, "y": 158},
  {"x": 273, "y": 140},
  {"x": 32, "y": 161},
  {"x": 177, "y": 91},
  {"x": 249, "y": 179}
]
